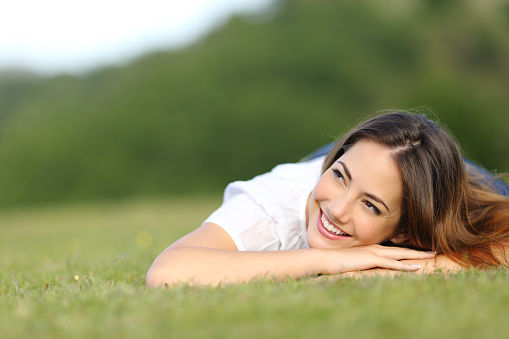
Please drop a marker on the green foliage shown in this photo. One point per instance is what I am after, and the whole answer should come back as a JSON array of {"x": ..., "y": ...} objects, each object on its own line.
[
  {"x": 78, "y": 272},
  {"x": 251, "y": 96}
]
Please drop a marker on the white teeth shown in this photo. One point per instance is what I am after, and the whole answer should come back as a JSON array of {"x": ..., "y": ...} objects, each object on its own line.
[{"x": 331, "y": 228}]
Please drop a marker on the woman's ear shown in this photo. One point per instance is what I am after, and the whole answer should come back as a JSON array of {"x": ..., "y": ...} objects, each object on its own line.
[{"x": 400, "y": 238}]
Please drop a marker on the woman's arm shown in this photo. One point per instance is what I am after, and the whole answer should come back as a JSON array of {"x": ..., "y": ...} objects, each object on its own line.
[{"x": 208, "y": 256}]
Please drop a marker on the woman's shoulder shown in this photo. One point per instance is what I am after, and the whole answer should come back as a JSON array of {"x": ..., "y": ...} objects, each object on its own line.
[
  {"x": 270, "y": 207},
  {"x": 281, "y": 181}
]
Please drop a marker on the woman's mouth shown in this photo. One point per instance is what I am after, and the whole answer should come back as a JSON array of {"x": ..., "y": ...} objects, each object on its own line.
[{"x": 329, "y": 230}]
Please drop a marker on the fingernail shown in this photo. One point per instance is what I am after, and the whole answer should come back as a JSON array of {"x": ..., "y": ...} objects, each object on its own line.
[
  {"x": 415, "y": 266},
  {"x": 431, "y": 252}
]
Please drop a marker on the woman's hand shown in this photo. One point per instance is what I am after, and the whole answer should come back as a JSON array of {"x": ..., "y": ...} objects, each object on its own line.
[
  {"x": 440, "y": 264},
  {"x": 374, "y": 256}
]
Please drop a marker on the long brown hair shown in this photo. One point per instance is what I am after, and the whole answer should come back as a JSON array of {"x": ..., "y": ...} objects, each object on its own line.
[{"x": 445, "y": 207}]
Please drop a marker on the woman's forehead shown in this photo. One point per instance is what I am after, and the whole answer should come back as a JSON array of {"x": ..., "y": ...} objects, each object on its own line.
[{"x": 373, "y": 170}]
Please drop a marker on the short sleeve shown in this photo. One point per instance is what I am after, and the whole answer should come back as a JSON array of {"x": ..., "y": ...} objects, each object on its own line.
[{"x": 247, "y": 223}]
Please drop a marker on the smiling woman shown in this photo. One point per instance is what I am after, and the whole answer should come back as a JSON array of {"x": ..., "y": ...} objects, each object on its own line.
[{"x": 397, "y": 179}]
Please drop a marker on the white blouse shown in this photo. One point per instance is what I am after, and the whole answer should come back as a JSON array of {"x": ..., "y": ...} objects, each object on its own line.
[{"x": 268, "y": 212}]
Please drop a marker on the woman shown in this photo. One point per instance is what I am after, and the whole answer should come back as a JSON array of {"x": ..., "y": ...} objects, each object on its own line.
[{"x": 397, "y": 179}]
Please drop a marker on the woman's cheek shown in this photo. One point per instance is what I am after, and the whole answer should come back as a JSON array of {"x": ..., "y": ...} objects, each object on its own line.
[
  {"x": 366, "y": 230},
  {"x": 322, "y": 188}
]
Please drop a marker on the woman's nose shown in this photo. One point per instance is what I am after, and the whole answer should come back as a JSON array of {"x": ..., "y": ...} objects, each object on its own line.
[{"x": 340, "y": 208}]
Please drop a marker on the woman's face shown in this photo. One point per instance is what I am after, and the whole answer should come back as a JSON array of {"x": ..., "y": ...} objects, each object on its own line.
[{"x": 357, "y": 201}]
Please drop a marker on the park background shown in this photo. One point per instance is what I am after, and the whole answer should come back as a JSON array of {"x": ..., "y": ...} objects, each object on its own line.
[
  {"x": 100, "y": 171},
  {"x": 254, "y": 93}
]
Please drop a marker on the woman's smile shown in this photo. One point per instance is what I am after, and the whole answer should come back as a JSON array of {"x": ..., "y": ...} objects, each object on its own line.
[{"x": 328, "y": 229}]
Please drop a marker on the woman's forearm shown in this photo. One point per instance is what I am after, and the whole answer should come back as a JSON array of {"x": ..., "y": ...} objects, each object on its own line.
[{"x": 207, "y": 266}]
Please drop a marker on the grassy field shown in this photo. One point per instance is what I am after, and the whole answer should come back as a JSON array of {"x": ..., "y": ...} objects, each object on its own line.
[{"x": 78, "y": 271}]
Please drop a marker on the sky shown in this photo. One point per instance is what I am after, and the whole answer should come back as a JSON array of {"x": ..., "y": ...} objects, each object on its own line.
[{"x": 68, "y": 36}]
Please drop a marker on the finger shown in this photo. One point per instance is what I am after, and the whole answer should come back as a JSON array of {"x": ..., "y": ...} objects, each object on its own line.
[
  {"x": 403, "y": 253},
  {"x": 396, "y": 265}
]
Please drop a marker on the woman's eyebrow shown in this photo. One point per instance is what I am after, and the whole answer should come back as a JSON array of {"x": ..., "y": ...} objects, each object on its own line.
[
  {"x": 346, "y": 170},
  {"x": 374, "y": 197}
]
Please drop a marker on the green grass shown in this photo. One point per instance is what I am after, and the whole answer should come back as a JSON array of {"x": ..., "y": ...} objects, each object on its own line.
[{"x": 78, "y": 271}]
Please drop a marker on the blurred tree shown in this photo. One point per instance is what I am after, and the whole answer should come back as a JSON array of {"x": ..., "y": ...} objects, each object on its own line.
[{"x": 251, "y": 96}]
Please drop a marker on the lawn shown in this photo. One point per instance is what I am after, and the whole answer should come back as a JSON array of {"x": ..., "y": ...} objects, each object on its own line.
[{"x": 78, "y": 271}]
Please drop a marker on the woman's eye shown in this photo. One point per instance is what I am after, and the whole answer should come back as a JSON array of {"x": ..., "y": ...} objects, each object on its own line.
[
  {"x": 373, "y": 208},
  {"x": 338, "y": 174}
]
